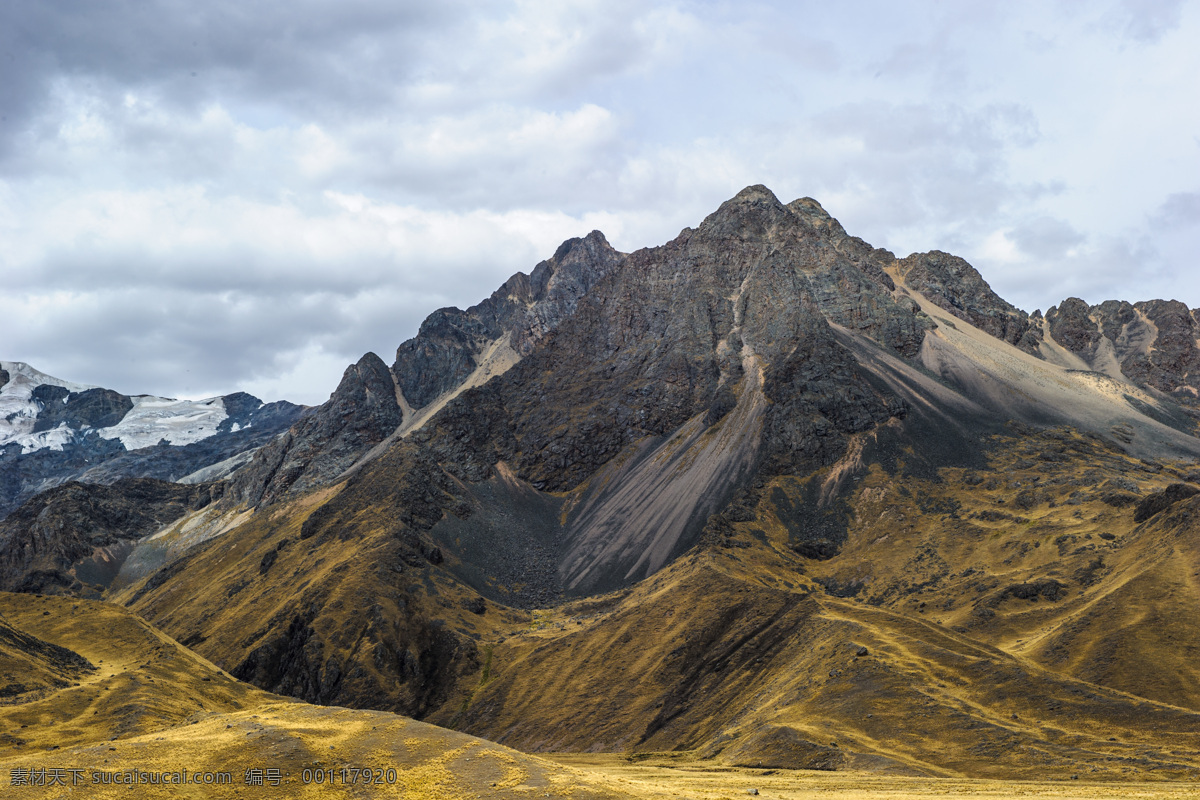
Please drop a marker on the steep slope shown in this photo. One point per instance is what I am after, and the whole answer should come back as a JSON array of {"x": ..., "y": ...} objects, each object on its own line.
[
  {"x": 53, "y": 431},
  {"x": 30, "y": 665},
  {"x": 453, "y": 350},
  {"x": 955, "y": 286},
  {"x": 1012, "y": 385}
]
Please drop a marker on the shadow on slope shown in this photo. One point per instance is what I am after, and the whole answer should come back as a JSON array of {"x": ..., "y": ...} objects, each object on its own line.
[{"x": 721, "y": 659}]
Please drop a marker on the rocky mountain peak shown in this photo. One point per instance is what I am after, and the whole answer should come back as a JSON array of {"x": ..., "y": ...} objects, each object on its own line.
[
  {"x": 752, "y": 214},
  {"x": 360, "y": 414},
  {"x": 558, "y": 283},
  {"x": 956, "y": 286},
  {"x": 1072, "y": 326},
  {"x": 452, "y": 350},
  {"x": 816, "y": 216}
]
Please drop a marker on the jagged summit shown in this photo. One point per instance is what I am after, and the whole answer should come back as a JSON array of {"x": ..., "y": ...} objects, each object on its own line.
[
  {"x": 659, "y": 386},
  {"x": 1152, "y": 344},
  {"x": 453, "y": 351}
]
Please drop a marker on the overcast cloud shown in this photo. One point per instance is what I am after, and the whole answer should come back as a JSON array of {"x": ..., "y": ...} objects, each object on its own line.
[{"x": 200, "y": 198}]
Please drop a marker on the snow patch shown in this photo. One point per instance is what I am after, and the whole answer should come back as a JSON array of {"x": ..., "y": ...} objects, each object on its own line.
[
  {"x": 179, "y": 422},
  {"x": 18, "y": 409},
  {"x": 21, "y": 374},
  {"x": 151, "y": 420},
  {"x": 53, "y": 439}
]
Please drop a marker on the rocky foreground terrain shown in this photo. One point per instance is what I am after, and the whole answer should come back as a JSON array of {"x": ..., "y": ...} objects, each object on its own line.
[{"x": 763, "y": 497}]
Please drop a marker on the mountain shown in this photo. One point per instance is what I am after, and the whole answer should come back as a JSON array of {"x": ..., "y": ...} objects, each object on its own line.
[
  {"x": 53, "y": 431},
  {"x": 739, "y": 497},
  {"x": 76, "y": 537},
  {"x": 453, "y": 351}
]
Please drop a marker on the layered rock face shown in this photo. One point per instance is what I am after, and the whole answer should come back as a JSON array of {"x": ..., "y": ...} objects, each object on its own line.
[
  {"x": 707, "y": 364},
  {"x": 736, "y": 328},
  {"x": 958, "y": 287},
  {"x": 674, "y": 334},
  {"x": 1152, "y": 344},
  {"x": 360, "y": 413},
  {"x": 372, "y": 403}
]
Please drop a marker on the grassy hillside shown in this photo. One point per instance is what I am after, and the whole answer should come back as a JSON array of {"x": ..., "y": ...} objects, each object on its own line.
[{"x": 150, "y": 705}]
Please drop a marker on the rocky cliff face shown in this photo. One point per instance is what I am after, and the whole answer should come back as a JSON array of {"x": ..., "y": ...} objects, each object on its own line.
[
  {"x": 663, "y": 386},
  {"x": 958, "y": 287},
  {"x": 1151, "y": 344},
  {"x": 358, "y": 415},
  {"x": 72, "y": 539},
  {"x": 452, "y": 345},
  {"x": 710, "y": 361}
]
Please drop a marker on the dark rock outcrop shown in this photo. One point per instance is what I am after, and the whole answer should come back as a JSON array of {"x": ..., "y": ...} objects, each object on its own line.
[
  {"x": 1161, "y": 501},
  {"x": 956, "y": 286},
  {"x": 360, "y": 414},
  {"x": 526, "y": 308},
  {"x": 93, "y": 408},
  {"x": 1071, "y": 325},
  {"x": 450, "y": 345},
  {"x": 73, "y": 538},
  {"x": 1153, "y": 343}
]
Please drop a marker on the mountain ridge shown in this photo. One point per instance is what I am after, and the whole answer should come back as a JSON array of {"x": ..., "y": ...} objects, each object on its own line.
[{"x": 694, "y": 476}]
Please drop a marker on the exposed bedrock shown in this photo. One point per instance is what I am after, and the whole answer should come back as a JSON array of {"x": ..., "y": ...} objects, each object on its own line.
[
  {"x": 360, "y": 413},
  {"x": 368, "y": 405},
  {"x": 956, "y": 286},
  {"x": 73, "y": 538},
  {"x": 1153, "y": 344}
]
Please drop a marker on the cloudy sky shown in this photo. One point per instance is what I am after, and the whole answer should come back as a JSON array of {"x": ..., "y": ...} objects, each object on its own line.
[{"x": 197, "y": 198}]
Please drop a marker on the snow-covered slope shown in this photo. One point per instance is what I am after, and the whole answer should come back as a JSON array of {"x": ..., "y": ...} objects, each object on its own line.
[
  {"x": 150, "y": 421},
  {"x": 52, "y": 431},
  {"x": 19, "y": 411},
  {"x": 155, "y": 419}
]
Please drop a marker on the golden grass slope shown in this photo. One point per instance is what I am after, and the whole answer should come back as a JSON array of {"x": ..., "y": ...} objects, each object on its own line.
[
  {"x": 717, "y": 659},
  {"x": 350, "y": 617},
  {"x": 1012, "y": 622},
  {"x": 271, "y": 733},
  {"x": 142, "y": 681},
  {"x": 151, "y": 706},
  {"x": 1039, "y": 556}
]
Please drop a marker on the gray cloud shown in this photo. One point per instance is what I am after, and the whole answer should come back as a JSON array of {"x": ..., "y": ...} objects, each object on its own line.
[
  {"x": 1046, "y": 237},
  {"x": 1179, "y": 210},
  {"x": 202, "y": 198}
]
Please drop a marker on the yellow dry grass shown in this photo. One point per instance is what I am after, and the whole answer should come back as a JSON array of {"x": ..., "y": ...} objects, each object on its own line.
[{"x": 660, "y": 778}]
